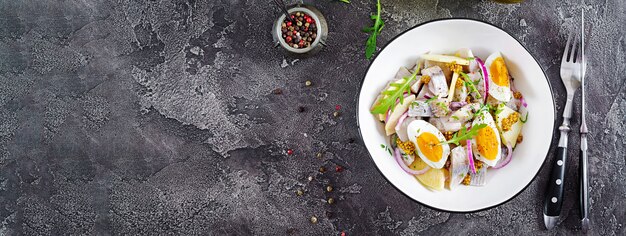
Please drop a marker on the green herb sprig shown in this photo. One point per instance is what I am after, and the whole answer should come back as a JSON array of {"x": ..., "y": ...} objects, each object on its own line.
[
  {"x": 389, "y": 101},
  {"x": 370, "y": 45},
  {"x": 345, "y": 1},
  {"x": 469, "y": 83},
  {"x": 499, "y": 108},
  {"x": 465, "y": 134},
  {"x": 525, "y": 119}
]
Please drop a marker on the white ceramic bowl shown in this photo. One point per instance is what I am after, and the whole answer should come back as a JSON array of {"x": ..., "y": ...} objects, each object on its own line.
[{"x": 446, "y": 36}]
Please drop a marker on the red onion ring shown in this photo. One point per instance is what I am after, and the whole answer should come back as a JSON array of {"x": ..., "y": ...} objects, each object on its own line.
[
  {"x": 470, "y": 156},
  {"x": 523, "y": 102},
  {"x": 514, "y": 89},
  {"x": 402, "y": 118},
  {"x": 457, "y": 105},
  {"x": 508, "y": 158},
  {"x": 404, "y": 167},
  {"x": 485, "y": 76}
]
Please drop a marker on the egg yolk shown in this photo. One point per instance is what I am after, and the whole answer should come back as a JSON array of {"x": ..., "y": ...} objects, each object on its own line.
[
  {"x": 487, "y": 143},
  {"x": 428, "y": 144},
  {"x": 499, "y": 73}
]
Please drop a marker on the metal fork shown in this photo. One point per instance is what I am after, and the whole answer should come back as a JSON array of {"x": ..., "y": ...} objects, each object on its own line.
[{"x": 570, "y": 75}]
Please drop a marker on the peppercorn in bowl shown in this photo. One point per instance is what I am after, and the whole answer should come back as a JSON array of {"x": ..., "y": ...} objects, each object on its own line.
[
  {"x": 305, "y": 35},
  {"x": 465, "y": 123}
]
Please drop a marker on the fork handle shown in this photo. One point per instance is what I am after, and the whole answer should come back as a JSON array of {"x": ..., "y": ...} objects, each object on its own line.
[{"x": 554, "y": 192}]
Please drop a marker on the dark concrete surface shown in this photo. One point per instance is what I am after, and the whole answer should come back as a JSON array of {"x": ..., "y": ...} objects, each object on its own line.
[{"x": 158, "y": 117}]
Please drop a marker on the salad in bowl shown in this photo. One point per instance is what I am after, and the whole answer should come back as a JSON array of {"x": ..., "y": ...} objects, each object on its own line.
[{"x": 452, "y": 118}]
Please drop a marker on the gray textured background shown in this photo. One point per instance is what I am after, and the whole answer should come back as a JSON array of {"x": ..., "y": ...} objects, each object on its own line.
[{"x": 136, "y": 117}]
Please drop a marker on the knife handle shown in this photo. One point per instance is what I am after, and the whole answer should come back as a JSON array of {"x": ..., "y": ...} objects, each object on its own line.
[
  {"x": 554, "y": 192},
  {"x": 584, "y": 191}
]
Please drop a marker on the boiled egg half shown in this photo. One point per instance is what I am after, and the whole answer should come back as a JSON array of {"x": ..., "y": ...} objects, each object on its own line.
[
  {"x": 486, "y": 144},
  {"x": 429, "y": 144},
  {"x": 499, "y": 83}
]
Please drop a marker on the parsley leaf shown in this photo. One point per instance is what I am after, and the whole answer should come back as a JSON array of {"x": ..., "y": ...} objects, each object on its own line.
[
  {"x": 383, "y": 146},
  {"x": 345, "y": 1},
  {"x": 370, "y": 45},
  {"x": 464, "y": 134}
]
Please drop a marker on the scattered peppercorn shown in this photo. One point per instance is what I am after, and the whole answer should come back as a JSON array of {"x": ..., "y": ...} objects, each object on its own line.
[
  {"x": 277, "y": 91},
  {"x": 308, "y": 83},
  {"x": 310, "y": 178},
  {"x": 520, "y": 138},
  {"x": 343, "y": 233},
  {"x": 300, "y": 29},
  {"x": 331, "y": 200},
  {"x": 322, "y": 169},
  {"x": 313, "y": 219},
  {"x": 299, "y": 192},
  {"x": 301, "y": 109},
  {"x": 337, "y": 107},
  {"x": 319, "y": 155},
  {"x": 329, "y": 188},
  {"x": 338, "y": 169},
  {"x": 336, "y": 114},
  {"x": 517, "y": 95}
]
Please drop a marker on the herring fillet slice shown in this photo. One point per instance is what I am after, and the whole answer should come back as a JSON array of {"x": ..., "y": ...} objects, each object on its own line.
[
  {"x": 438, "y": 84},
  {"x": 459, "y": 166}
]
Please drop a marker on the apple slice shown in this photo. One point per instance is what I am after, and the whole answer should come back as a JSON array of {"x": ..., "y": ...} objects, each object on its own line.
[
  {"x": 434, "y": 179},
  {"x": 401, "y": 108},
  {"x": 445, "y": 59},
  {"x": 510, "y": 135}
]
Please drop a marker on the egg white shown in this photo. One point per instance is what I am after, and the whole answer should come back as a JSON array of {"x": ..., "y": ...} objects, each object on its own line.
[
  {"x": 415, "y": 129},
  {"x": 485, "y": 118},
  {"x": 501, "y": 93}
]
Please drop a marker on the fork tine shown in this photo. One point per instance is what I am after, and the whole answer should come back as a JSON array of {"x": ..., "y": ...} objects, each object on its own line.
[
  {"x": 567, "y": 46},
  {"x": 579, "y": 56},
  {"x": 574, "y": 45}
]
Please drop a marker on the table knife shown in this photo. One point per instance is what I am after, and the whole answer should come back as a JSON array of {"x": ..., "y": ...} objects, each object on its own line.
[{"x": 583, "y": 172}]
